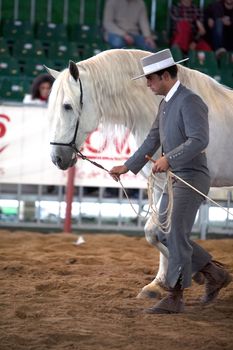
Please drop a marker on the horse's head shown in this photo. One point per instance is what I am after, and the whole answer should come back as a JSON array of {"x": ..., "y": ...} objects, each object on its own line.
[{"x": 71, "y": 113}]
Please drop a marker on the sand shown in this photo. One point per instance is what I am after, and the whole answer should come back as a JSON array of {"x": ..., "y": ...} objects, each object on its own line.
[{"x": 58, "y": 295}]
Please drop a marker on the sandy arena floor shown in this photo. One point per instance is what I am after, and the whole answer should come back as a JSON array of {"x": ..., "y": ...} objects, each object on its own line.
[{"x": 57, "y": 295}]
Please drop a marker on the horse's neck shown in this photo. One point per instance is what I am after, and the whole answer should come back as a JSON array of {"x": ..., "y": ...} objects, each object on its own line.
[{"x": 120, "y": 101}]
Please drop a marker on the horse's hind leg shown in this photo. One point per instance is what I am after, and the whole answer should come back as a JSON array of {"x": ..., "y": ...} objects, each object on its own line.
[{"x": 155, "y": 288}]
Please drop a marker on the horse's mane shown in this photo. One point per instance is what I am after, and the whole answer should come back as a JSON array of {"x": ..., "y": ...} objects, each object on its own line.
[
  {"x": 121, "y": 100},
  {"x": 113, "y": 70},
  {"x": 218, "y": 97}
]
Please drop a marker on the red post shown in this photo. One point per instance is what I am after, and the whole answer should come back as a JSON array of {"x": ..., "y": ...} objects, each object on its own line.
[{"x": 69, "y": 199}]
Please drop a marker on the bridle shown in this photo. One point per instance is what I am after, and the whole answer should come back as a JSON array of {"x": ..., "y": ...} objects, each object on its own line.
[{"x": 72, "y": 142}]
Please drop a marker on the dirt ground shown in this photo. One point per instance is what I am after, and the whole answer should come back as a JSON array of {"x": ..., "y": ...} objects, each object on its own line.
[{"x": 58, "y": 295}]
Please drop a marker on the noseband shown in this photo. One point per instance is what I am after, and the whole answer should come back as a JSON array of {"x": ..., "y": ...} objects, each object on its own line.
[{"x": 72, "y": 142}]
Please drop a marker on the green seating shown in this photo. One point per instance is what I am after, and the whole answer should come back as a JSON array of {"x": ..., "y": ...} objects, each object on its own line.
[
  {"x": 28, "y": 49},
  {"x": 4, "y": 48},
  {"x": 49, "y": 32},
  {"x": 177, "y": 53},
  {"x": 34, "y": 66},
  {"x": 227, "y": 76},
  {"x": 58, "y": 64},
  {"x": 16, "y": 30},
  {"x": 93, "y": 49},
  {"x": 9, "y": 67},
  {"x": 226, "y": 60},
  {"x": 204, "y": 61},
  {"x": 85, "y": 34},
  {"x": 13, "y": 89},
  {"x": 64, "y": 50}
]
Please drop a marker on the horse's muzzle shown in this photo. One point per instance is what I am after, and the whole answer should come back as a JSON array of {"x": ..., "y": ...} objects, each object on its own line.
[{"x": 63, "y": 157}]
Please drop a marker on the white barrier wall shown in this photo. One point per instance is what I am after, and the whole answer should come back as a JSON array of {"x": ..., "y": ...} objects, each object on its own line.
[{"x": 25, "y": 152}]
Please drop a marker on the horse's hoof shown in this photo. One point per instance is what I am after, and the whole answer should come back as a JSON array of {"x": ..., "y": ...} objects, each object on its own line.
[{"x": 148, "y": 294}]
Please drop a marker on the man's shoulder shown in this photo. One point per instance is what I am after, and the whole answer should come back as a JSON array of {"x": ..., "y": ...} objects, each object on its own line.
[
  {"x": 185, "y": 91},
  {"x": 188, "y": 96}
]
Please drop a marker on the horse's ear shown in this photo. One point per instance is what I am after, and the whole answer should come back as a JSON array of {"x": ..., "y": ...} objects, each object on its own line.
[
  {"x": 52, "y": 72},
  {"x": 73, "y": 70}
]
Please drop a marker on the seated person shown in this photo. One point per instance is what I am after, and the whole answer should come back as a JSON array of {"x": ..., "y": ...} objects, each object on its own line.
[
  {"x": 40, "y": 90},
  {"x": 219, "y": 24},
  {"x": 125, "y": 23},
  {"x": 188, "y": 31}
]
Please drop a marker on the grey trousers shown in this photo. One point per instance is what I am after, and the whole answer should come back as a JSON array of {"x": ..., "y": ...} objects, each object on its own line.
[{"x": 185, "y": 256}]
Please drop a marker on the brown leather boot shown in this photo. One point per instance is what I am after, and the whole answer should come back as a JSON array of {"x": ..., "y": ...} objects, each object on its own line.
[
  {"x": 199, "y": 278},
  {"x": 216, "y": 279},
  {"x": 171, "y": 304}
]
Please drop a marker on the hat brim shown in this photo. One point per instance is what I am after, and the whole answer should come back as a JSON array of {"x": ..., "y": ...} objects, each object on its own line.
[{"x": 173, "y": 64}]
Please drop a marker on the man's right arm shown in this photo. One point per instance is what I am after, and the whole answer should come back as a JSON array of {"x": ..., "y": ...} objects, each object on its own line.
[{"x": 136, "y": 162}]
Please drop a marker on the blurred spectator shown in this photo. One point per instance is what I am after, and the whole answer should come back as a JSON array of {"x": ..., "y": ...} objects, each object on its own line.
[
  {"x": 219, "y": 24},
  {"x": 188, "y": 31},
  {"x": 126, "y": 23},
  {"x": 40, "y": 90}
]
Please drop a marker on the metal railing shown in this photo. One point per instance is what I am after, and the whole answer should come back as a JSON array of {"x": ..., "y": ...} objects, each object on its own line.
[{"x": 40, "y": 207}]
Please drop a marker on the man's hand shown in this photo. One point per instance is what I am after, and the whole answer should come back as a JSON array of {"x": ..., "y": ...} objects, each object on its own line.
[
  {"x": 128, "y": 39},
  {"x": 149, "y": 40},
  {"x": 116, "y": 171},
  {"x": 160, "y": 165}
]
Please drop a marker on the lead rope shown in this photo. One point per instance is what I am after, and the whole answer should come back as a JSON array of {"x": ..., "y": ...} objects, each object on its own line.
[
  {"x": 202, "y": 194},
  {"x": 152, "y": 209},
  {"x": 165, "y": 226}
]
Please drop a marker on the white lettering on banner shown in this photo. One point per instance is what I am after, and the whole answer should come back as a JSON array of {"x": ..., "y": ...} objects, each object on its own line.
[{"x": 25, "y": 152}]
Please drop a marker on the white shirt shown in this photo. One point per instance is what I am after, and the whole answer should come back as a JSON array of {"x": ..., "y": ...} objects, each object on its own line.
[
  {"x": 172, "y": 91},
  {"x": 36, "y": 101}
]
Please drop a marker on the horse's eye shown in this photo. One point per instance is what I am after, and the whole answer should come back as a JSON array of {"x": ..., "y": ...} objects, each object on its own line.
[{"x": 67, "y": 107}]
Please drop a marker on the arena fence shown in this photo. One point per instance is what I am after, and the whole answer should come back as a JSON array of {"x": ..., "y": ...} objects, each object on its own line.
[{"x": 99, "y": 209}]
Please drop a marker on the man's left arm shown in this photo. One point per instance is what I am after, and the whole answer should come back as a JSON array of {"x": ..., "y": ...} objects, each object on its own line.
[{"x": 196, "y": 127}]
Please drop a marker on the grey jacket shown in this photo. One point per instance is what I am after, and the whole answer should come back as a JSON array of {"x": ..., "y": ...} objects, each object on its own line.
[{"x": 181, "y": 128}]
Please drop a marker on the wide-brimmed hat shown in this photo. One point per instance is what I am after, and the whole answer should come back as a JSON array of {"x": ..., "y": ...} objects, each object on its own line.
[{"x": 156, "y": 62}]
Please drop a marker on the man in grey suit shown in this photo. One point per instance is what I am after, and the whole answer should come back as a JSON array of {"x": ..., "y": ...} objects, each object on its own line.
[{"x": 181, "y": 129}]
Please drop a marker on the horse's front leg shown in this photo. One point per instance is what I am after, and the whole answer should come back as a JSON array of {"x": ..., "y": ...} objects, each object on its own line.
[{"x": 155, "y": 288}]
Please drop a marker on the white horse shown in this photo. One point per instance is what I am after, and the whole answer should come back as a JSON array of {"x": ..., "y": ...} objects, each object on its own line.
[{"x": 100, "y": 89}]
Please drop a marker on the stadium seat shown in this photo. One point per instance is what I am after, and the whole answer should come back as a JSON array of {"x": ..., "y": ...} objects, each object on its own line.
[
  {"x": 50, "y": 32},
  {"x": 204, "y": 61},
  {"x": 9, "y": 67},
  {"x": 64, "y": 50},
  {"x": 226, "y": 60},
  {"x": 28, "y": 49},
  {"x": 93, "y": 49},
  {"x": 13, "y": 89},
  {"x": 227, "y": 76},
  {"x": 14, "y": 30},
  {"x": 35, "y": 66},
  {"x": 4, "y": 48},
  {"x": 177, "y": 53},
  {"x": 85, "y": 34},
  {"x": 59, "y": 64}
]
